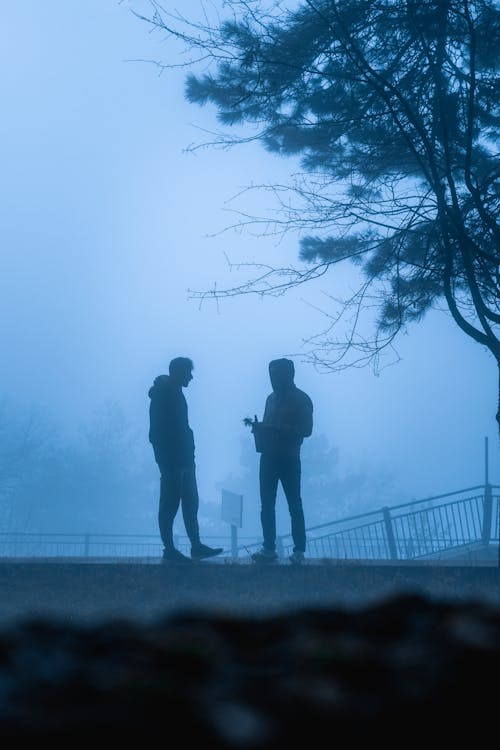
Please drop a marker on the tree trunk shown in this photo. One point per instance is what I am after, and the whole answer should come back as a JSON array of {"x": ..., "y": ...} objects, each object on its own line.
[{"x": 498, "y": 410}]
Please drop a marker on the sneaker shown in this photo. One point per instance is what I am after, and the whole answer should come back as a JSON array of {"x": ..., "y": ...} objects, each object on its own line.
[
  {"x": 297, "y": 558},
  {"x": 175, "y": 556},
  {"x": 201, "y": 551},
  {"x": 265, "y": 556}
]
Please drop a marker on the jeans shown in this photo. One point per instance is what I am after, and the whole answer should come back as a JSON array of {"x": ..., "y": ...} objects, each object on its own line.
[
  {"x": 287, "y": 470},
  {"x": 178, "y": 486}
]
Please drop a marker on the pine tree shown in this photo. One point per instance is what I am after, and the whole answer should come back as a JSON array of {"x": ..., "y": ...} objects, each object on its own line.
[{"x": 392, "y": 107}]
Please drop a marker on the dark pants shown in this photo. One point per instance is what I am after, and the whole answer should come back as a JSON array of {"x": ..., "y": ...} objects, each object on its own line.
[
  {"x": 178, "y": 486},
  {"x": 284, "y": 469}
]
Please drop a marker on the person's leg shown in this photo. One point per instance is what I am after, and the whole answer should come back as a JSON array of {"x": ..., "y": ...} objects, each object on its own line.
[
  {"x": 190, "y": 504},
  {"x": 290, "y": 479},
  {"x": 170, "y": 495},
  {"x": 268, "y": 480}
]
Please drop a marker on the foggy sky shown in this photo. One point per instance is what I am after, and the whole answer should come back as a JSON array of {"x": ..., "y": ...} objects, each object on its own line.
[{"x": 106, "y": 223}]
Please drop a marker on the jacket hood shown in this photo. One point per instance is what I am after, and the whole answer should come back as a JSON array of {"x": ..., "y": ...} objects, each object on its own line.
[{"x": 160, "y": 384}]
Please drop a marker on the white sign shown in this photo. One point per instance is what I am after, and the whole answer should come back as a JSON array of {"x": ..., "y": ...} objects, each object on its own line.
[{"x": 232, "y": 508}]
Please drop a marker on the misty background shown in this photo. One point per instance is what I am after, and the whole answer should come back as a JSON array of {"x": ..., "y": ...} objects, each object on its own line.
[{"x": 108, "y": 224}]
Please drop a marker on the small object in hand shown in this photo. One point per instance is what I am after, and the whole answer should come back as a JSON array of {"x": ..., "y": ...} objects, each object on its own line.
[{"x": 256, "y": 430}]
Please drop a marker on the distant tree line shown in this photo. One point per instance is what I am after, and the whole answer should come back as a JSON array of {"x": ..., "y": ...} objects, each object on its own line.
[
  {"x": 328, "y": 492},
  {"x": 100, "y": 481},
  {"x": 105, "y": 479}
]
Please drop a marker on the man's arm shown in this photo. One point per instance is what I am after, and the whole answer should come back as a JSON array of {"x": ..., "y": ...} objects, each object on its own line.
[
  {"x": 306, "y": 416},
  {"x": 164, "y": 429}
]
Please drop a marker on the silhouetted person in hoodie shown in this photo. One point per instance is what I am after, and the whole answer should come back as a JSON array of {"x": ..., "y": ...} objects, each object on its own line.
[
  {"x": 288, "y": 419},
  {"x": 173, "y": 444}
]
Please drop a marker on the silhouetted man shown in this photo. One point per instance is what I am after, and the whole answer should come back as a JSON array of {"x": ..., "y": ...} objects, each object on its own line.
[
  {"x": 288, "y": 419},
  {"x": 173, "y": 444}
]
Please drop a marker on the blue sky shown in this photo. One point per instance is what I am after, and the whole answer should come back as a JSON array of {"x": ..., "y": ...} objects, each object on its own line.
[{"x": 106, "y": 222}]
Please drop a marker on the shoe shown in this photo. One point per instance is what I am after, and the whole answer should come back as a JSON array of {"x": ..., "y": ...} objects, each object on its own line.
[
  {"x": 201, "y": 551},
  {"x": 175, "y": 556},
  {"x": 265, "y": 556},
  {"x": 297, "y": 558}
]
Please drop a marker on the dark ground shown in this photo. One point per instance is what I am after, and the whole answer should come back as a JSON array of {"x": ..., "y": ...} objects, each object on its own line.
[
  {"x": 233, "y": 656},
  {"x": 92, "y": 590}
]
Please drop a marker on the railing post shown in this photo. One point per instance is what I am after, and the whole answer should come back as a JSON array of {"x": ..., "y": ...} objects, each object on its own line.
[
  {"x": 390, "y": 533},
  {"x": 487, "y": 512},
  {"x": 86, "y": 545},
  {"x": 279, "y": 546},
  {"x": 234, "y": 540},
  {"x": 487, "y": 498}
]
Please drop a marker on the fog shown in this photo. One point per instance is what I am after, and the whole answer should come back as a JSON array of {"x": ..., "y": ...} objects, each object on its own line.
[{"x": 108, "y": 222}]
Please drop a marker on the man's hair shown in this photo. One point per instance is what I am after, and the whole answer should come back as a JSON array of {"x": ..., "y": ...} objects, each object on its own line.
[
  {"x": 179, "y": 364},
  {"x": 284, "y": 365}
]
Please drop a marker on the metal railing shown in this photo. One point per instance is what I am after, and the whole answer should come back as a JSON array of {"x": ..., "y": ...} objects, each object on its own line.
[
  {"x": 431, "y": 528},
  {"x": 28, "y": 545},
  {"x": 89, "y": 545}
]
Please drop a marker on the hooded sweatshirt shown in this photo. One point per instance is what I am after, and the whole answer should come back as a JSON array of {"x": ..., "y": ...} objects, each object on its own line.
[
  {"x": 288, "y": 419},
  {"x": 169, "y": 431}
]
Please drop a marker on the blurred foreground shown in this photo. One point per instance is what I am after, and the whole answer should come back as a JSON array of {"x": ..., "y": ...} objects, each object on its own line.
[{"x": 233, "y": 656}]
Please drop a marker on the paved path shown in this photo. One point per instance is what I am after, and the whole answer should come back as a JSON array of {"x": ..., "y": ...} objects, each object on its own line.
[{"x": 97, "y": 590}]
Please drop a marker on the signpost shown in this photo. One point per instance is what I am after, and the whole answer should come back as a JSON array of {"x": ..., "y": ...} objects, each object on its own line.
[{"x": 232, "y": 513}]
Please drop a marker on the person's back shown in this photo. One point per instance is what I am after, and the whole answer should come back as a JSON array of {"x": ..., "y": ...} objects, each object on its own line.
[
  {"x": 169, "y": 431},
  {"x": 287, "y": 421}
]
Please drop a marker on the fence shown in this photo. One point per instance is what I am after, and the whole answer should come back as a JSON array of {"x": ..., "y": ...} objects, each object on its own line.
[
  {"x": 436, "y": 527},
  {"x": 105, "y": 546},
  {"x": 439, "y": 526}
]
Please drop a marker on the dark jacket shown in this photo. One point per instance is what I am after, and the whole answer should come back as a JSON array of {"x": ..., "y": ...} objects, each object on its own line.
[
  {"x": 288, "y": 419},
  {"x": 169, "y": 431}
]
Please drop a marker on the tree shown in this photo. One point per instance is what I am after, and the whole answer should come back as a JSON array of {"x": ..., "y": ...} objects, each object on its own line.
[
  {"x": 392, "y": 107},
  {"x": 328, "y": 494},
  {"x": 104, "y": 481},
  {"x": 25, "y": 445}
]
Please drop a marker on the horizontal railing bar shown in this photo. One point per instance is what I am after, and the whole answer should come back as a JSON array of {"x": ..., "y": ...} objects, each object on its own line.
[
  {"x": 439, "y": 497},
  {"x": 394, "y": 507}
]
